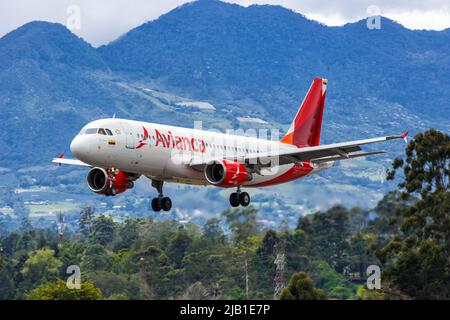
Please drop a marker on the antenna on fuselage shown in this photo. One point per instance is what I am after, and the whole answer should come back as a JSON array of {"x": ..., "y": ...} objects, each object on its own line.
[{"x": 114, "y": 116}]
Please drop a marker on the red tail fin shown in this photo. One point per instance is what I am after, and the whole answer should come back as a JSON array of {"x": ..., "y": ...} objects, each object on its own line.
[{"x": 305, "y": 129}]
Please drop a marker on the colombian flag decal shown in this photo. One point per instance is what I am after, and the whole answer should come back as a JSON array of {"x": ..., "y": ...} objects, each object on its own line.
[{"x": 112, "y": 142}]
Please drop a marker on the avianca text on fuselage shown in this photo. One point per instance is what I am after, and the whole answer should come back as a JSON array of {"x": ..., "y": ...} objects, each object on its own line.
[
  {"x": 183, "y": 143},
  {"x": 119, "y": 151}
]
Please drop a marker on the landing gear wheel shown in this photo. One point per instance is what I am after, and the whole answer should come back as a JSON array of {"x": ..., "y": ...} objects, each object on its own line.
[
  {"x": 166, "y": 204},
  {"x": 244, "y": 199},
  {"x": 160, "y": 202},
  {"x": 234, "y": 199},
  {"x": 155, "y": 205}
]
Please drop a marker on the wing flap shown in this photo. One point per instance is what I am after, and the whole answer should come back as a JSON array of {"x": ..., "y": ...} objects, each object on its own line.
[{"x": 350, "y": 156}]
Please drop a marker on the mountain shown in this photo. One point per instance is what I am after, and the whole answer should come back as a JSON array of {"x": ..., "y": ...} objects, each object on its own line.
[
  {"x": 53, "y": 83},
  {"x": 45, "y": 72},
  {"x": 252, "y": 62},
  {"x": 269, "y": 54},
  {"x": 230, "y": 67}
]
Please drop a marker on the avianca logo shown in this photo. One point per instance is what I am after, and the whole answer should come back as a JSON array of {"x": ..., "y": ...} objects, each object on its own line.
[
  {"x": 143, "y": 142},
  {"x": 179, "y": 142},
  {"x": 236, "y": 174}
]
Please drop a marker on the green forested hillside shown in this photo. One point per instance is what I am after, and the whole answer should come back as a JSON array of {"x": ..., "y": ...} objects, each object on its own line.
[{"x": 146, "y": 259}]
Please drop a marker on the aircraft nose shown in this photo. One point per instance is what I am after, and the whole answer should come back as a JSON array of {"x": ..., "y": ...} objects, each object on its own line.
[{"x": 76, "y": 147}]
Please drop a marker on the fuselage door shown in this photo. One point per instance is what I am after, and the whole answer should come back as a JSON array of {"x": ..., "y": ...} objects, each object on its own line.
[{"x": 130, "y": 136}]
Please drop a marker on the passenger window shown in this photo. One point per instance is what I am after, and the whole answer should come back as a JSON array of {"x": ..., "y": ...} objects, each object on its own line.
[
  {"x": 108, "y": 132},
  {"x": 91, "y": 131}
]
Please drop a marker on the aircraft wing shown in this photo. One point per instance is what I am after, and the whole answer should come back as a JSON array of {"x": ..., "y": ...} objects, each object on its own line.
[
  {"x": 327, "y": 152},
  {"x": 317, "y": 154},
  {"x": 60, "y": 160}
]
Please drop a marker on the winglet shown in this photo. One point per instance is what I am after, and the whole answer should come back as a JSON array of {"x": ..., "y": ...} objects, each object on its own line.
[
  {"x": 60, "y": 156},
  {"x": 405, "y": 136}
]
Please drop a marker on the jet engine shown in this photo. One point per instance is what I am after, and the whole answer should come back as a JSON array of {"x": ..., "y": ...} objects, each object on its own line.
[
  {"x": 226, "y": 173},
  {"x": 109, "y": 182}
]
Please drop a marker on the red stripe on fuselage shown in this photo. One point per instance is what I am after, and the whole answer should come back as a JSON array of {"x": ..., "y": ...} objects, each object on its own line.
[{"x": 293, "y": 173}]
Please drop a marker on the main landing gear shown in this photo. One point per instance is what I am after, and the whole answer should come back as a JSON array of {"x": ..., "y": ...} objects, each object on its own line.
[
  {"x": 160, "y": 202},
  {"x": 239, "y": 198}
]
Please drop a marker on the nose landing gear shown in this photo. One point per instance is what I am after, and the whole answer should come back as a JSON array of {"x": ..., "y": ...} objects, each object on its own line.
[
  {"x": 160, "y": 202},
  {"x": 239, "y": 198}
]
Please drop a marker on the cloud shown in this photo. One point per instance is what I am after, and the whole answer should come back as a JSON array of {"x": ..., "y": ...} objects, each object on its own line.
[
  {"x": 101, "y": 21},
  {"x": 413, "y": 14},
  {"x": 104, "y": 20}
]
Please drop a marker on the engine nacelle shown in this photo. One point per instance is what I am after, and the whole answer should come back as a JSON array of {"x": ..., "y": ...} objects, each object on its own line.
[
  {"x": 226, "y": 173},
  {"x": 108, "y": 182}
]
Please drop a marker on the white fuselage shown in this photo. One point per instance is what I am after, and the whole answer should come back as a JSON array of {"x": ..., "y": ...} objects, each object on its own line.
[{"x": 163, "y": 152}]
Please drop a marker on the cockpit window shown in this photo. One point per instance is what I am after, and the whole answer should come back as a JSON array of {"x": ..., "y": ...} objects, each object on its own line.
[
  {"x": 102, "y": 131},
  {"x": 108, "y": 132},
  {"x": 91, "y": 131}
]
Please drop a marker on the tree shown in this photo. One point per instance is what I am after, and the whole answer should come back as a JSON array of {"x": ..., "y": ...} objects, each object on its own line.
[
  {"x": 27, "y": 241},
  {"x": 195, "y": 291},
  {"x": 327, "y": 235},
  {"x": 213, "y": 232},
  {"x": 154, "y": 268},
  {"x": 386, "y": 221},
  {"x": 128, "y": 233},
  {"x": 301, "y": 287},
  {"x": 7, "y": 286},
  {"x": 23, "y": 214},
  {"x": 60, "y": 291},
  {"x": 103, "y": 230},
  {"x": 365, "y": 294},
  {"x": 426, "y": 168},
  {"x": 263, "y": 263},
  {"x": 71, "y": 253},
  {"x": 334, "y": 283},
  {"x": 416, "y": 257},
  {"x": 95, "y": 258},
  {"x": 177, "y": 247},
  {"x": 204, "y": 266},
  {"x": 110, "y": 283},
  {"x": 41, "y": 266},
  {"x": 85, "y": 221},
  {"x": 10, "y": 243},
  {"x": 243, "y": 223}
]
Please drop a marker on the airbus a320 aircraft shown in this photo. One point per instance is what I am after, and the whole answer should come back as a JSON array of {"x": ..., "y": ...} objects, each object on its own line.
[{"x": 120, "y": 151}]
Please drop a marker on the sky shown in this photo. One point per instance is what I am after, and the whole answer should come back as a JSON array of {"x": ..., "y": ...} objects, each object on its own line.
[{"x": 102, "y": 21}]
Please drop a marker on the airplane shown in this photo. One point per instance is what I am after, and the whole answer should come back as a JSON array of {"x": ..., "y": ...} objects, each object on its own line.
[{"x": 119, "y": 151}]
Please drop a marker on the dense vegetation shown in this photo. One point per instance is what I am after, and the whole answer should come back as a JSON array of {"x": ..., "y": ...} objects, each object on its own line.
[{"x": 406, "y": 234}]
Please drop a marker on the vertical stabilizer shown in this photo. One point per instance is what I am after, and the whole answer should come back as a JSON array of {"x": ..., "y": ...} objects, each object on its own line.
[{"x": 307, "y": 124}]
